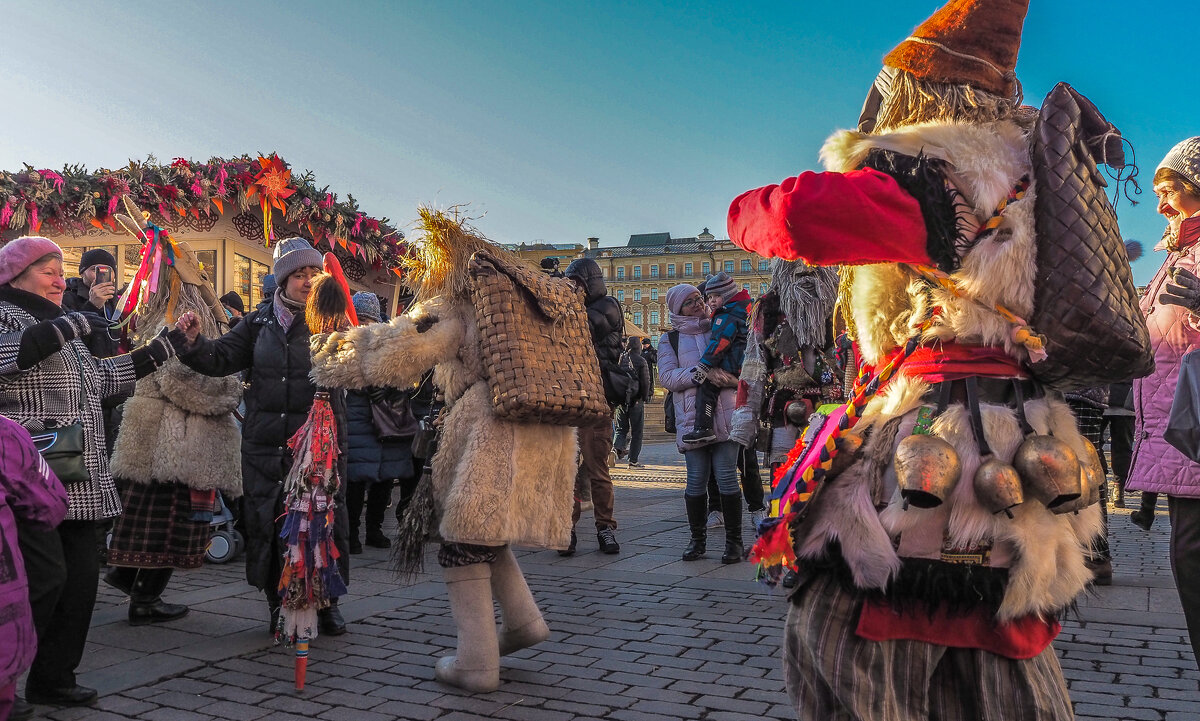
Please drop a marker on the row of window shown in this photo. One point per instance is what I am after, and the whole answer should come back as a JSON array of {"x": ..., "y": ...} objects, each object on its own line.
[
  {"x": 637, "y": 318},
  {"x": 637, "y": 293},
  {"x": 705, "y": 269}
]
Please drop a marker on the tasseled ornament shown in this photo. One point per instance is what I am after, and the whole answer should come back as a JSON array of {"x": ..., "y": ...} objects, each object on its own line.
[{"x": 310, "y": 578}]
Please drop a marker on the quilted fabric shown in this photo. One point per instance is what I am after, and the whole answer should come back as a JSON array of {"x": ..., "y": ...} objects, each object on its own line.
[
  {"x": 1157, "y": 466},
  {"x": 1085, "y": 301}
]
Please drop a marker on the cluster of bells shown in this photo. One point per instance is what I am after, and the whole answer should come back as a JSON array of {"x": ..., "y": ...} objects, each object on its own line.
[{"x": 1044, "y": 468}]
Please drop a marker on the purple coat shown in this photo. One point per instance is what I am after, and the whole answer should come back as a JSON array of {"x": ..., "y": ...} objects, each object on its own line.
[
  {"x": 29, "y": 491},
  {"x": 1156, "y": 465},
  {"x": 674, "y": 374}
]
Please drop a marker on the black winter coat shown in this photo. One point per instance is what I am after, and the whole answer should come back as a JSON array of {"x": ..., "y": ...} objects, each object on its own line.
[
  {"x": 371, "y": 459},
  {"x": 605, "y": 318},
  {"x": 278, "y": 397}
]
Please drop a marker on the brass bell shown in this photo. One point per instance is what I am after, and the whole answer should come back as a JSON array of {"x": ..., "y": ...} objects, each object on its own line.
[
  {"x": 1049, "y": 469},
  {"x": 997, "y": 486},
  {"x": 1091, "y": 477},
  {"x": 927, "y": 468}
]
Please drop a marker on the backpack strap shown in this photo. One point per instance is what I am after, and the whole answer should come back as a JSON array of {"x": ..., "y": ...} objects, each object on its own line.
[{"x": 673, "y": 339}]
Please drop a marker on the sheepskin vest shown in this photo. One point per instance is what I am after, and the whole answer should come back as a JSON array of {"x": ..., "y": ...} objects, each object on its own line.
[
  {"x": 178, "y": 428},
  {"x": 1030, "y": 564}
]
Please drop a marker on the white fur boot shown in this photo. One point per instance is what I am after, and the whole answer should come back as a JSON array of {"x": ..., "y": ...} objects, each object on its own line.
[
  {"x": 476, "y": 666},
  {"x": 521, "y": 623}
]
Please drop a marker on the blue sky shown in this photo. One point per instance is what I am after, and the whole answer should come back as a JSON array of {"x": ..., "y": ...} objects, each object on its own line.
[{"x": 555, "y": 121}]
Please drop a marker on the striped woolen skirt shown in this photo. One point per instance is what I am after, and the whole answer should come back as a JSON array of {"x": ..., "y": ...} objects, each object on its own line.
[
  {"x": 834, "y": 675},
  {"x": 156, "y": 530}
]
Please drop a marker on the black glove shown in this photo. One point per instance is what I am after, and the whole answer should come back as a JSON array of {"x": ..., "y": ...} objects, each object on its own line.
[
  {"x": 42, "y": 340},
  {"x": 150, "y": 357},
  {"x": 1183, "y": 291}
]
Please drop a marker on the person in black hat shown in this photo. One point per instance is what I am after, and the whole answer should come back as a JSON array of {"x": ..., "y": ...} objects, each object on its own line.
[
  {"x": 234, "y": 308},
  {"x": 95, "y": 291}
]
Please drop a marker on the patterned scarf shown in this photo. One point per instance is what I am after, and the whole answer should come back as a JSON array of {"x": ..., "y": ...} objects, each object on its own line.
[{"x": 286, "y": 309}]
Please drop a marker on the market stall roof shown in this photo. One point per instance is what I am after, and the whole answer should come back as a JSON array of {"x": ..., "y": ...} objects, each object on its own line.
[
  {"x": 259, "y": 190},
  {"x": 633, "y": 330}
]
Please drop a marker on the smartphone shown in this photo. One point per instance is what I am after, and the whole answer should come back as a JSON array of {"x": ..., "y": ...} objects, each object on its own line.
[{"x": 104, "y": 274}]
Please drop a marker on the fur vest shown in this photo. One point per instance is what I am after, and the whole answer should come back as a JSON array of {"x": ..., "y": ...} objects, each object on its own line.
[
  {"x": 1031, "y": 563},
  {"x": 178, "y": 428}
]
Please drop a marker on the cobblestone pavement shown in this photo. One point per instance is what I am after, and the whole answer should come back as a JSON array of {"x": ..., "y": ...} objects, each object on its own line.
[{"x": 640, "y": 636}]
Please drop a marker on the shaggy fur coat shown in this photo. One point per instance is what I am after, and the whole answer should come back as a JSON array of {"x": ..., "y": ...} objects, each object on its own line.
[
  {"x": 178, "y": 428},
  {"x": 494, "y": 482},
  {"x": 1044, "y": 552}
]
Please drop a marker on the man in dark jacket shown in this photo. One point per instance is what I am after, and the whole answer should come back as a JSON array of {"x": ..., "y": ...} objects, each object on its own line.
[
  {"x": 631, "y": 414},
  {"x": 607, "y": 323},
  {"x": 651, "y": 357},
  {"x": 271, "y": 345},
  {"x": 85, "y": 295}
]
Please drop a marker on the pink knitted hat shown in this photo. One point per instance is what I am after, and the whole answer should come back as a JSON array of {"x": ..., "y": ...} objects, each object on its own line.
[{"x": 20, "y": 253}]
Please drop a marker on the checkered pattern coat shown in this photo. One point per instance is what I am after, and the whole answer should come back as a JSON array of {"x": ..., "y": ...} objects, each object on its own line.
[{"x": 48, "y": 396}]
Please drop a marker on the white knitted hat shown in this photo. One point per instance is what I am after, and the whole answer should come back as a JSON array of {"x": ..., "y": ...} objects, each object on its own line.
[{"x": 1184, "y": 159}]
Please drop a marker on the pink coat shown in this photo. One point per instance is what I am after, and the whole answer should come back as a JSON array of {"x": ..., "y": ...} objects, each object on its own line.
[
  {"x": 1156, "y": 465},
  {"x": 30, "y": 492}
]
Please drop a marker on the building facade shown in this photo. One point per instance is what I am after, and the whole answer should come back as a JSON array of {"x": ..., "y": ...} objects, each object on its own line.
[{"x": 639, "y": 273}]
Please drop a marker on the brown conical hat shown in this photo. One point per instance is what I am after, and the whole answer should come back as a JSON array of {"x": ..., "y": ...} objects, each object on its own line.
[{"x": 966, "y": 42}]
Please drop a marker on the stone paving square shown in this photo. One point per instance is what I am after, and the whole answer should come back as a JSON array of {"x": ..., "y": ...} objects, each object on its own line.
[{"x": 640, "y": 636}]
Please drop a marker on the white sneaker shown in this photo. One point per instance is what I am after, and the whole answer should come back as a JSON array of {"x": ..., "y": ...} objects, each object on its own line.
[
  {"x": 757, "y": 517},
  {"x": 635, "y": 464},
  {"x": 716, "y": 520}
]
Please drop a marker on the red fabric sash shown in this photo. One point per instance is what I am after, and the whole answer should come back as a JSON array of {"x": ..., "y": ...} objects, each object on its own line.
[
  {"x": 1021, "y": 639},
  {"x": 952, "y": 361}
]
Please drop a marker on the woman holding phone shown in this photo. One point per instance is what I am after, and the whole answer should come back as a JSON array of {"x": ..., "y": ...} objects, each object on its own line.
[{"x": 95, "y": 291}]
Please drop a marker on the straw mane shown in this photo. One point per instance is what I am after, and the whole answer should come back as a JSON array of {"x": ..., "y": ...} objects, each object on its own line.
[
  {"x": 912, "y": 100},
  {"x": 173, "y": 299},
  {"x": 437, "y": 262}
]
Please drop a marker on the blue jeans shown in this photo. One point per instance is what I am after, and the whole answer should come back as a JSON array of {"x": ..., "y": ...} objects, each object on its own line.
[
  {"x": 630, "y": 421},
  {"x": 718, "y": 459}
]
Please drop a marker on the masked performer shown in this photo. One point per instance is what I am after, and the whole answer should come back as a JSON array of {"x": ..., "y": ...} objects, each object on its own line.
[
  {"x": 494, "y": 483},
  {"x": 938, "y": 521},
  {"x": 168, "y": 479},
  {"x": 790, "y": 367}
]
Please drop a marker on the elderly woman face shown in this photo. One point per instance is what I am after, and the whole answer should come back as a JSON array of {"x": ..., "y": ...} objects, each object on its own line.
[
  {"x": 694, "y": 306},
  {"x": 43, "y": 277}
]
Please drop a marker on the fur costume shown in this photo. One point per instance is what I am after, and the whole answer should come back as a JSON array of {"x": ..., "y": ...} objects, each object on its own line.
[
  {"x": 494, "y": 483},
  {"x": 948, "y": 140},
  {"x": 789, "y": 359},
  {"x": 171, "y": 410}
]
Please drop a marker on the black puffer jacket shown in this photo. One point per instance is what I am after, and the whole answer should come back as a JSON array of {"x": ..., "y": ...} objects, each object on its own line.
[
  {"x": 371, "y": 458},
  {"x": 278, "y": 398},
  {"x": 605, "y": 318}
]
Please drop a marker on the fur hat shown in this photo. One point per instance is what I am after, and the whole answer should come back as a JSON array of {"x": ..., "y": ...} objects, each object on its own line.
[
  {"x": 233, "y": 300},
  {"x": 96, "y": 256},
  {"x": 292, "y": 254},
  {"x": 966, "y": 42},
  {"x": 721, "y": 284},
  {"x": 1184, "y": 159},
  {"x": 677, "y": 295},
  {"x": 20, "y": 253},
  {"x": 367, "y": 306}
]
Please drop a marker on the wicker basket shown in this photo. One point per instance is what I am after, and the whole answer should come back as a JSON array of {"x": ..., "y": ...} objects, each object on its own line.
[{"x": 537, "y": 349}]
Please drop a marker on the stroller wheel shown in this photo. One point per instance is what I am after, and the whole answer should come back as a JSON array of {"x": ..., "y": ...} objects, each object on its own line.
[
  {"x": 221, "y": 547},
  {"x": 239, "y": 543}
]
